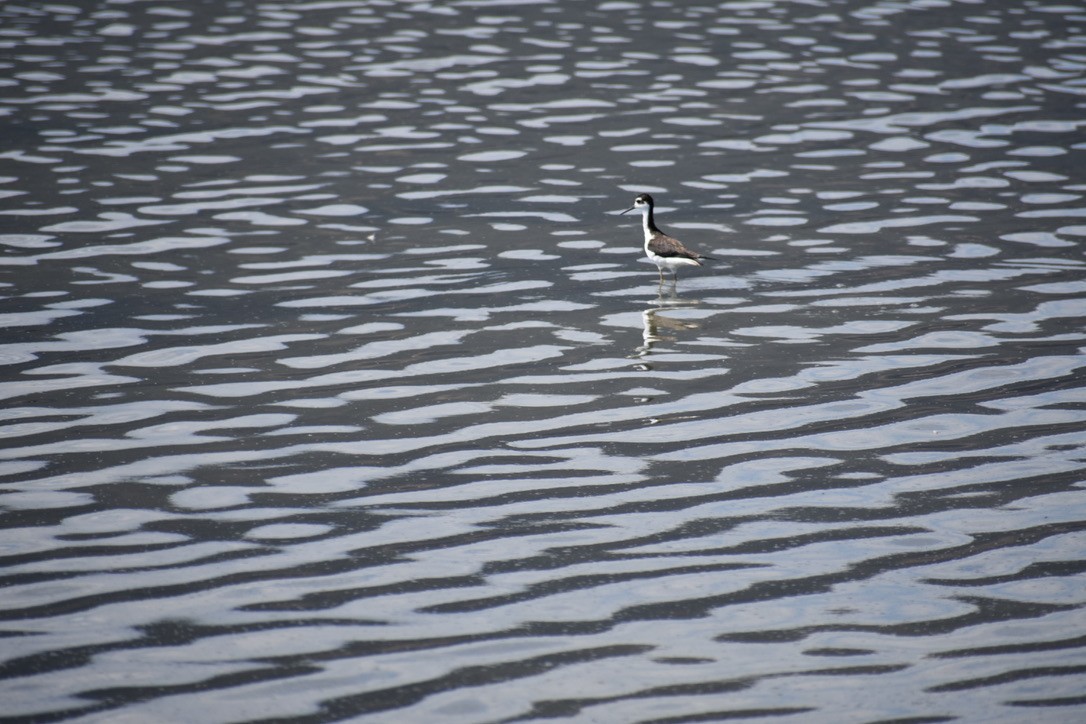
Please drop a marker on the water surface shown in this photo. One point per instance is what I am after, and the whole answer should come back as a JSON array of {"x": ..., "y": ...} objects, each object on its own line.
[{"x": 335, "y": 387}]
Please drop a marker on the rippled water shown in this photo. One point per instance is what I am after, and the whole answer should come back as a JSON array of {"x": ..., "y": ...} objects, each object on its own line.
[{"x": 335, "y": 387}]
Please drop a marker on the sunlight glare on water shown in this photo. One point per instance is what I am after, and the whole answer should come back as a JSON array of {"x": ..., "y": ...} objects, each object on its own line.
[{"x": 335, "y": 387}]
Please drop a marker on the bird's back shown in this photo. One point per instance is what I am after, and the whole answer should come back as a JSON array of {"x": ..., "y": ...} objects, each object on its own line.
[{"x": 669, "y": 247}]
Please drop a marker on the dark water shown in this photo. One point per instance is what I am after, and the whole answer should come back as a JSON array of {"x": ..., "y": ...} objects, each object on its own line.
[{"x": 335, "y": 389}]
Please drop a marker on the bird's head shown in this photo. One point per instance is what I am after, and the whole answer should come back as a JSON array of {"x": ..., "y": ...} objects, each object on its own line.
[{"x": 642, "y": 203}]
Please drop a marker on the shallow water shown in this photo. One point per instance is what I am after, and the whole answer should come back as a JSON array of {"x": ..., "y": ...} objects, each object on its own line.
[{"x": 335, "y": 387}]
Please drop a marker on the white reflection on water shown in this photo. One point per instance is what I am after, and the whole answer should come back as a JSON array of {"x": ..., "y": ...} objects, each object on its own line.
[{"x": 335, "y": 389}]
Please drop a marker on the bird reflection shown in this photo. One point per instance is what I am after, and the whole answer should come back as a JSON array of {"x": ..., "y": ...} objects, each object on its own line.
[{"x": 657, "y": 326}]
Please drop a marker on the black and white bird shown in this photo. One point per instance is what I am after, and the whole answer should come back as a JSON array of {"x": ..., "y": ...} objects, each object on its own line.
[{"x": 663, "y": 250}]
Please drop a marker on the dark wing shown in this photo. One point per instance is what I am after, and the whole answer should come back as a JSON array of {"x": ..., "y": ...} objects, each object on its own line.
[{"x": 665, "y": 246}]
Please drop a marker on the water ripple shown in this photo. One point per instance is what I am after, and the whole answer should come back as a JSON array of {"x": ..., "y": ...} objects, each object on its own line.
[{"x": 337, "y": 389}]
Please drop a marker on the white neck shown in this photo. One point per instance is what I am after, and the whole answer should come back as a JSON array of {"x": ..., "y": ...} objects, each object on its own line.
[{"x": 645, "y": 222}]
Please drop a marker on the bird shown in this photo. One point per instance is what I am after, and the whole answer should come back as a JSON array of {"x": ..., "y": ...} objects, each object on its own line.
[{"x": 661, "y": 249}]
